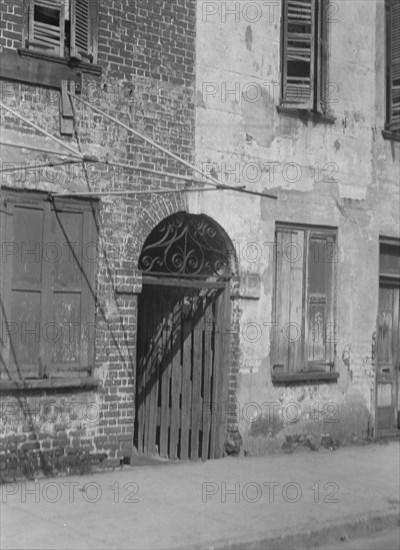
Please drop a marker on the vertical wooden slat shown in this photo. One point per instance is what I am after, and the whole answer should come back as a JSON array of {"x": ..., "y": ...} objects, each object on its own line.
[
  {"x": 224, "y": 316},
  {"x": 7, "y": 225},
  {"x": 165, "y": 377},
  {"x": 396, "y": 356},
  {"x": 3, "y": 275},
  {"x": 196, "y": 380},
  {"x": 283, "y": 289},
  {"x": 148, "y": 366},
  {"x": 175, "y": 377},
  {"x": 154, "y": 371},
  {"x": 147, "y": 372},
  {"x": 93, "y": 29},
  {"x": 31, "y": 23},
  {"x": 169, "y": 361},
  {"x": 330, "y": 329},
  {"x": 216, "y": 386},
  {"x": 207, "y": 370},
  {"x": 322, "y": 55},
  {"x": 186, "y": 385},
  {"x": 63, "y": 16},
  {"x": 296, "y": 301}
]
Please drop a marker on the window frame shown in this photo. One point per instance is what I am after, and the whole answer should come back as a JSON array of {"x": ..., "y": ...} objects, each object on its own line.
[
  {"x": 316, "y": 107},
  {"x": 35, "y": 67},
  {"x": 93, "y": 26},
  {"x": 62, "y": 374},
  {"x": 305, "y": 370}
]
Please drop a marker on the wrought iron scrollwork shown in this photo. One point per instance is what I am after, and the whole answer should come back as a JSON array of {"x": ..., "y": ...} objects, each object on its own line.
[{"x": 185, "y": 245}]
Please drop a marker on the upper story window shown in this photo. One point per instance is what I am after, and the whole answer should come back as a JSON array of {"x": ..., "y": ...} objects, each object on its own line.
[
  {"x": 64, "y": 28},
  {"x": 393, "y": 66},
  {"x": 304, "y": 55}
]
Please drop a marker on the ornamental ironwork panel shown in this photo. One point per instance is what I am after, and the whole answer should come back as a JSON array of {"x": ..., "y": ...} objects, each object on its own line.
[{"x": 186, "y": 245}]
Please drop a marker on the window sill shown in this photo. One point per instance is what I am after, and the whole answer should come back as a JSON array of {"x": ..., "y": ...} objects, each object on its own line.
[
  {"x": 85, "y": 67},
  {"x": 300, "y": 377},
  {"x": 48, "y": 384},
  {"x": 39, "y": 69},
  {"x": 392, "y": 136},
  {"x": 305, "y": 115}
]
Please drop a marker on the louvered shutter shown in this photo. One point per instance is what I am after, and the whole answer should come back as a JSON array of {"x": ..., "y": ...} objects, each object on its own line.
[
  {"x": 322, "y": 71},
  {"x": 83, "y": 21},
  {"x": 46, "y": 26},
  {"x": 394, "y": 67},
  {"x": 298, "y": 53}
]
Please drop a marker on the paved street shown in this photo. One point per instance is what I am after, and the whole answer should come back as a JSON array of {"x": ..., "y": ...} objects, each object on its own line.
[{"x": 279, "y": 501}]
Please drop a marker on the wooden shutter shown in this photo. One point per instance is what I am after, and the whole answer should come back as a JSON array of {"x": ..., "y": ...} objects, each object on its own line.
[
  {"x": 321, "y": 83},
  {"x": 47, "y": 306},
  {"x": 298, "y": 53},
  {"x": 83, "y": 28},
  {"x": 288, "y": 333},
  {"x": 321, "y": 331},
  {"x": 47, "y": 26},
  {"x": 24, "y": 298},
  {"x": 393, "y": 66},
  {"x": 71, "y": 333}
]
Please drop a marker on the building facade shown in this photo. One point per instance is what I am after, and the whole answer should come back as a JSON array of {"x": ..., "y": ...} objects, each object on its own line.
[
  {"x": 303, "y": 99},
  {"x": 200, "y": 229}
]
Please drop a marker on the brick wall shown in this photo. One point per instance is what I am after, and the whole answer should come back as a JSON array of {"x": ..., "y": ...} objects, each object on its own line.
[{"x": 146, "y": 51}]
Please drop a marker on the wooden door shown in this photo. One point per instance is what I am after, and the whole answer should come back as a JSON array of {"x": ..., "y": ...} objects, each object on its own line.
[
  {"x": 388, "y": 341},
  {"x": 182, "y": 350}
]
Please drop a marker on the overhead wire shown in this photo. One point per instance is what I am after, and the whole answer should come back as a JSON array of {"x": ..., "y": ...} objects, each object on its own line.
[{"x": 211, "y": 180}]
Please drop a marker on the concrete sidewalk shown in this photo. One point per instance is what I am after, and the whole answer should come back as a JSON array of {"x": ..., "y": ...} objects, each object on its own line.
[{"x": 280, "y": 501}]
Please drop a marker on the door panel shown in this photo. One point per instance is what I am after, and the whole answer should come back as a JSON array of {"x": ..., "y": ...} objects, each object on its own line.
[
  {"x": 181, "y": 378},
  {"x": 388, "y": 342}
]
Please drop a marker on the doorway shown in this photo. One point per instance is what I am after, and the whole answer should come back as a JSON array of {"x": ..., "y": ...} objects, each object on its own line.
[
  {"x": 183, "y": 340},
  {"x": 388, "y": 341}
]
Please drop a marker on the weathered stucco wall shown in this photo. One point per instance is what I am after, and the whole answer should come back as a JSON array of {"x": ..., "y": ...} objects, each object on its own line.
[{"x": 343, "y": 175}]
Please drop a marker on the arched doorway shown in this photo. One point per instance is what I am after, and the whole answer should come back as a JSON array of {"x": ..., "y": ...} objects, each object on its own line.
[{"x": 183, "y": 339}]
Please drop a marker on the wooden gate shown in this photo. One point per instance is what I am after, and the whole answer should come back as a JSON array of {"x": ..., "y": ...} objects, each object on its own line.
[
  {"x": 182, "y": 371},
  {"x": 183, "y": 340}
]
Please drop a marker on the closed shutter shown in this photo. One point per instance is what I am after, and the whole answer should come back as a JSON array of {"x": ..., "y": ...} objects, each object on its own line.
[
  {"x": 72, "y": 328},
  {"x": 298, "y": 53},
  {"x": 320, "y": 315},
  {"x": 288, "y": 334},
  {"x": 83, "y": 22},
  {"x": 24, "y": 294},
  {"x": 394, "y": 67},
  {"x": 47, "y": 25},
  {"x": 47, "y": 302}
]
